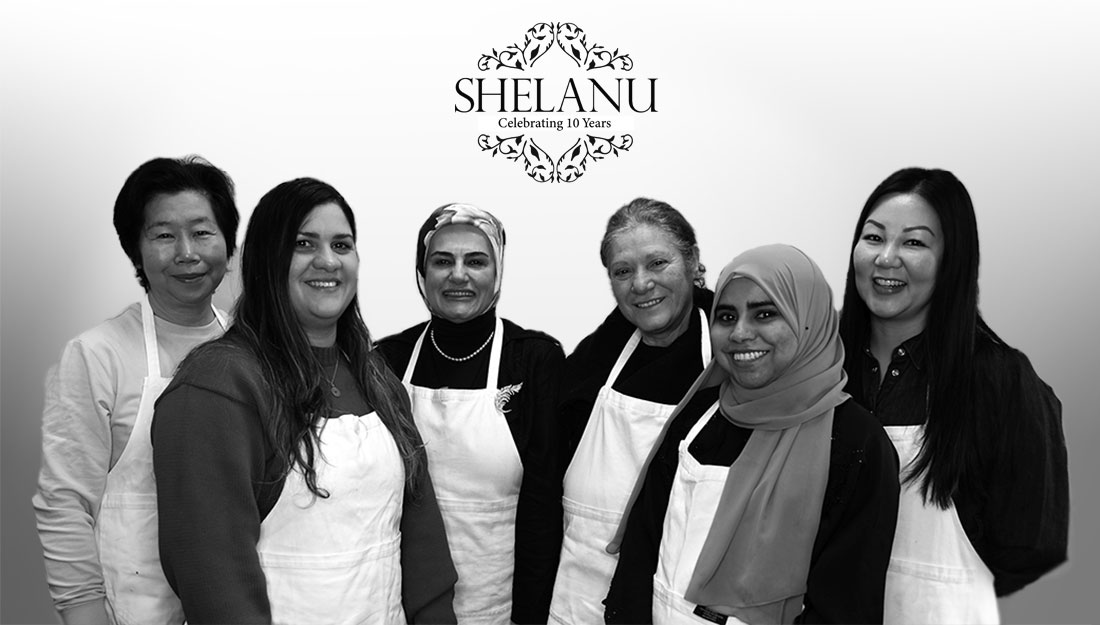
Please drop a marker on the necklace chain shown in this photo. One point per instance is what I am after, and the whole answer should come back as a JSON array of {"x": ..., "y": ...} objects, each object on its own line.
[
  {"x": 332, "y": 382},
  {"x": 477, "y": 351}
]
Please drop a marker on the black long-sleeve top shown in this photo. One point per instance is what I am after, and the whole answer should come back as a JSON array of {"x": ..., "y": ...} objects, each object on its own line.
[
  {"x": 1018, "y": 521},
  {"x": 535, "y": 360},
  {"x": 656, "y": 374},
  {"x": 218, "y": 477},
  {"x": 847, "y": 576}
]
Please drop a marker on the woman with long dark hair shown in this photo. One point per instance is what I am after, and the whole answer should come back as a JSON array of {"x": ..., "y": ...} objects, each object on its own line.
[
  {"x": 176, "y": 220},
  {"x": 291, "y": 480},
  {"x": 985, "y": 503}
]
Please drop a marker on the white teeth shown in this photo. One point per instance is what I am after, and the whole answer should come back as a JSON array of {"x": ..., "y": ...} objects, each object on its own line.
[
  {"x": 322, "y": 284},
  {"x": 746, "y": 356},
  {"x": 459, "y": 293},
  {"x": 888, "y": 283},
  {"x": 651, "y": 303}
]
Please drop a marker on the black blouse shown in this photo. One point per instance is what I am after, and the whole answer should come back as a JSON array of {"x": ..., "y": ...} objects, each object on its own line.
[
  {"x": 1018, "y": 521},
  {"x": 535, "y": 360},
  {"x": 657, "y": 374},
  {"x": 847, "y": 576}
]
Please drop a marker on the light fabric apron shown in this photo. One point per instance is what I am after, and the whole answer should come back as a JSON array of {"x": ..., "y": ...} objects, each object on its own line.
[
  {"x": 696, "y": 490},
  {"x": 338, "y": 559},
  {"x": 935, "y": 576},
  {"x": 126, "y": 527},
  {"x": 477, "y": 473},
  {"x": 621, "y": 431}
]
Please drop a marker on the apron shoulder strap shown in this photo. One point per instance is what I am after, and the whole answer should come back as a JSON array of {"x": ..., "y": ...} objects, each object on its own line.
[
  {"x": 409, "y": 368},
  {"x": 149, "y": 331}
]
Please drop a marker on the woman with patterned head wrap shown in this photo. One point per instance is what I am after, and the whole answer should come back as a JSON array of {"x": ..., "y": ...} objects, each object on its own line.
[{"x": 484, "y": 392}]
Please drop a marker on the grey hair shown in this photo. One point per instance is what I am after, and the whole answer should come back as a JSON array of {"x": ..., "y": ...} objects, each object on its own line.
[{"x": 660, "y": 215}]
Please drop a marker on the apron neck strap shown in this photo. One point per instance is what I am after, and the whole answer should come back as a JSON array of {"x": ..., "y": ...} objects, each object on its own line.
[
  {"x": 494, "y": 355},
  {"x": 149, "y": 330},
  {"x": 701, "y": 423},
  {"x": 704, "y": 338},
  {"x": 636, "y": 337}
]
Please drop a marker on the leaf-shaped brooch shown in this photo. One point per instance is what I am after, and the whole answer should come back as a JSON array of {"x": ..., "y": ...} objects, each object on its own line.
[{"x": 505, "y": 394}]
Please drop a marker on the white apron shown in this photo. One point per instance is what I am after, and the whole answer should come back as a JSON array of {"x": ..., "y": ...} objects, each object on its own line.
[
  {"x": 477, "y": 472},
  {"x": 621, "y": 431},
  {"x": 935, "y": 576},
  {"x": 338, "y": 559},
  {"x": 126, "y": 527},
  {"x": 696, "y": 491}
]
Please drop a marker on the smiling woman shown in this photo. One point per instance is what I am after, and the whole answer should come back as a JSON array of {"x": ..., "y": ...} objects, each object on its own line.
[
  {"x": 484, "y": 393},
  {"x": 985, "y": 505},
  {"x": 771, "y": 496},
  {"x": 177, "y": 221},
  {"x": 621, "y": 384},
  {"x": 286, "y": 458},
  {"x": 323, "y": 273}
]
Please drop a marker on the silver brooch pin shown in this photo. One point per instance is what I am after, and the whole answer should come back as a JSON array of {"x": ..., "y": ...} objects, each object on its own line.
[{"x": 505, "y": 394}]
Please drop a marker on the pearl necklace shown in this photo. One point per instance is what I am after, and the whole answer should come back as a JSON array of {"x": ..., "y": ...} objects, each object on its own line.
[{"x": 477, "y": 351}]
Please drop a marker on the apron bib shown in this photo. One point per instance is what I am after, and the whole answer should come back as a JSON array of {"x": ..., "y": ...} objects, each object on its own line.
[
  {"x": 696, "y": 491},
  {"x": 935, "y": 575},
  {"x": 477, "y": 472},
  {"x": 126, "y": 527},
  {"x": 620, "y": 432},
  {"x": 338, "y": 560}
]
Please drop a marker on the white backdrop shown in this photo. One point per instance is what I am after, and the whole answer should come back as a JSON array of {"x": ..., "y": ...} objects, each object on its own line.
[{"x": 775, "y": 122}]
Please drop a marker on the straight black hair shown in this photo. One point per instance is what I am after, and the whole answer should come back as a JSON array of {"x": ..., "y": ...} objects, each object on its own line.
[{"x": 954, "y": 326}]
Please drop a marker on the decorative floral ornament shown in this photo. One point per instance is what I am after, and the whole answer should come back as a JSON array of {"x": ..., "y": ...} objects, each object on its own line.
[{"x": 505, "y": 394}]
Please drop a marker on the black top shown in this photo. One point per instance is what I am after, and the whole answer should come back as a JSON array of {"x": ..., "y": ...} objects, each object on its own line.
[
  {"x": 218, "y": 477},
  {"x": 534, "y": 359},
  {"x": 847, "y": 576},
  {"x": 1019, "y": 521},
  {"x": 657, "y": 374}
]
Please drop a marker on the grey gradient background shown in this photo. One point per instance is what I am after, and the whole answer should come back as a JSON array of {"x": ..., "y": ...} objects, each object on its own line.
[{"x": 775, "y": 122}]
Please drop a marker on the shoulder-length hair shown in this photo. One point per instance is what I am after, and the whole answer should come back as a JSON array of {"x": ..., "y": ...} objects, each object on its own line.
[
  {"x": 267, "y": 325},
  {"x": 946, "y": 459}
]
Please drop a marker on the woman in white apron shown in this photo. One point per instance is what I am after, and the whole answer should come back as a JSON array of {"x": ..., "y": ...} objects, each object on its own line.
[
  {"x": 621, "y": 384},
  {"x": 484, "y": 394},
  {"x": 771, "y": 496},
  {"x": 291, "y": 480},
  {"x": 96, "y": 502},
  {"x": 985, "y": 498}
]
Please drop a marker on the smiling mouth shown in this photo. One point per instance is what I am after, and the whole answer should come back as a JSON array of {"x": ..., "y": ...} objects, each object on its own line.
[
  {"x": 888, "y": 283},
  {"x": 323, "y": 284},
  {"x": 649, "y": 303},
  {"x": 748, "y": 356},
  {"x": 189, "y": 277},
  {"x": 462, "y": 293}
]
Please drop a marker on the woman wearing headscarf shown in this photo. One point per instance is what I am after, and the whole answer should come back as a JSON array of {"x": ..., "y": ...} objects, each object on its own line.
[
  {"x": 985, "y": 497},
  {"x": 771, "y": 495},
  {"x": 484, "y": 394},
  {"x": 291, "y": 480},
  {"x": 176, "y": 220},
  {"x": 620, "y": 386}
]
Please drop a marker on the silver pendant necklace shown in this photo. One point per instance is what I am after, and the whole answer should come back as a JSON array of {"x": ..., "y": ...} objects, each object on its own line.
[{"x": 332, "y": 382}]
